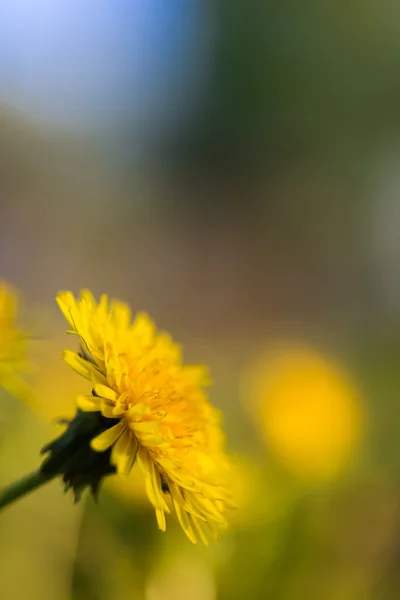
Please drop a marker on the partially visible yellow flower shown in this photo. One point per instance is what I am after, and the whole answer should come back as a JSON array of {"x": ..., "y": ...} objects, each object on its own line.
[
  {"x": 13, "y": 342},
  {"x": 308, "y": 411},
  {"x": 156, "y": 409}
]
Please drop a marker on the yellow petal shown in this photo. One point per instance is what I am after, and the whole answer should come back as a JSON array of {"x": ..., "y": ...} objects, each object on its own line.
[
  {"x": 120, "y": 452},
  {"x": 88, "y": 298},
  {"x": 131, "y": 453},
  {"x": 146, "y": 426},
  {"x": 88, "y": 403},
  {"x": 99, "y": 378},
  {"x": 67, "y": 304},
  {"x": 122, "y": 314},
  {"x": 157, "y": 486},
  {"x": 160, "y": 515},
  {"x": 107, "y": 409},
  {"x": 104, "y": 391},
  {"x": 207, "y": 508},
  {"x": 151, "y": 440},
  {"x": 108, "y": 437},
  {"x": 144, "y": 329},
  {"x": 199, "y": 527},
  {"x": 152, "y": 480},
  {"x": 185, "y": 522},
  {"x": 138, "y": 410},
  {"x": 80, "y": 365},
  {"x": 117, "y": 411},
  {"x": 178, "y": 495}
]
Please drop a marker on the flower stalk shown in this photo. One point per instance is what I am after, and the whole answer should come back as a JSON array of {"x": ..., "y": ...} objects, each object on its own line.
[{"x": 22, "y": 487}]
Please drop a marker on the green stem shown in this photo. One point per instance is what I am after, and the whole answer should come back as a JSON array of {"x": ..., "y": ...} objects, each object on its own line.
[{"x": 22, "y": 487}]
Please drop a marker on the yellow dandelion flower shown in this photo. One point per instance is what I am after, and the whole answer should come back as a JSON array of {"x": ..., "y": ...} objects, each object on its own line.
[
  {"x": 154, "y": 411},
  {"x": 308, "y": 411},
  {"x": 13, "y": 341}
]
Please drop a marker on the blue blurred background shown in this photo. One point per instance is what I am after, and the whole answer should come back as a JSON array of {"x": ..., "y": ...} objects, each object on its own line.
[{"x": 233, "y": 169}]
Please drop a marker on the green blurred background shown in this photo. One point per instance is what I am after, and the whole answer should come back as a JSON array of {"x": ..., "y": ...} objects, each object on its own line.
[{"x": 232, "y": 169}]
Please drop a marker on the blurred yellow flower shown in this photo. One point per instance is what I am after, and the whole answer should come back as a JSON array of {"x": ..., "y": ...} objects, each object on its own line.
[
  {"x": 13, "y": 346},
  {"x": 156, "y": 410},
  {"x": 55, "y": 386},
  {"x": 308, "y": 411}
]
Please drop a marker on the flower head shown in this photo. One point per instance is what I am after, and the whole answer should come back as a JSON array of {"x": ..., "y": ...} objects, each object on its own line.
[
  {"x": 156, "y": 411},
  {"x": 13, "y": 363}
]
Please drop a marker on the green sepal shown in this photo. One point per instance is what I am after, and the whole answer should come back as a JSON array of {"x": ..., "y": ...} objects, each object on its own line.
[{"x": 72, "y": 457}]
